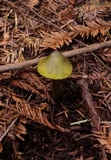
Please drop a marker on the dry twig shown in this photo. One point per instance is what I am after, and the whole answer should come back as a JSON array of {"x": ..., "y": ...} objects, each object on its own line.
[
  {"x": 90, "y": 104},
  {"x": 8, "y": 129},
  {"x": 90, "y": 48}
]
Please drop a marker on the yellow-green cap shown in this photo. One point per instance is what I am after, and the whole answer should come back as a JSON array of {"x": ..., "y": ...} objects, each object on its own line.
[{"x": 55, "y": 66}]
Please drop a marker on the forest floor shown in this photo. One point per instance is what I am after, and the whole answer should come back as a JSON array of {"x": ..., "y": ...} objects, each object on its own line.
[{"x": 33, "y": 125}]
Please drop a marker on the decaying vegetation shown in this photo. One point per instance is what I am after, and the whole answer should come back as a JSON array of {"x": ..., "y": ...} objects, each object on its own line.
[{"x": 32, "y": 124}]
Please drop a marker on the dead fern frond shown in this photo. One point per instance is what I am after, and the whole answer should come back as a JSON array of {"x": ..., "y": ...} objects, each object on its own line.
[
  {"x": 12, "y": 56},
  {"x": 20, "y": 130},
  {"x": 104, "y": 138},
  {"x": 8, "y": 127},
  {"x": 16, "y": 153},
  {"x": 31, "y": 43},
  {"x": 5, "y": 76},
  {"x": 23, "y": 85},
  {"x": 55, "y": 40},
  {"x": 89, "y": 12},
  {"x": 22, "y": 108},
  {"x": 32, "y": 79},
  {"x": 34, "y": 113},
  {"x": 10, "y": 131},
  {"x": 92, "y": 28}
]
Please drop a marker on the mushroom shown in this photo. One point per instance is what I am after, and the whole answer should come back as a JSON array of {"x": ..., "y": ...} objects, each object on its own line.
[{"x": 55, "y": 67}]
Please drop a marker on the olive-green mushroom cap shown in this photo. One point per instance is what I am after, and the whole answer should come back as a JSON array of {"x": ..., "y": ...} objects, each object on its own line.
[{"x": 55, "y": 66}]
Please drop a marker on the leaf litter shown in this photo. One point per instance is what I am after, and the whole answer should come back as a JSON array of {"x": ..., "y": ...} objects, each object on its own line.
[{"x": 32, "y": 125}]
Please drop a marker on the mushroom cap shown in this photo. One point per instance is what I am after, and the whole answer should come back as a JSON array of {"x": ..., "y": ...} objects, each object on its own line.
[{"x": 55, "y": 66}]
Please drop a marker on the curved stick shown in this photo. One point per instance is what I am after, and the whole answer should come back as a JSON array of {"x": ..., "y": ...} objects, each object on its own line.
[{"x": 90, "y": 48}]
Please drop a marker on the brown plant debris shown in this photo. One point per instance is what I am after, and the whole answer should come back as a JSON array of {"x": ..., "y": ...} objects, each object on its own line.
[
  {"x": 32, "y": 124},
  {"x": 89, "y": 103}
]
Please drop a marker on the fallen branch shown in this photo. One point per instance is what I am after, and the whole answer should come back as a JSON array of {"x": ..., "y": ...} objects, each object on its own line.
[
  {"x": 95, "y": 119},
  {"x": 90, "y": 48}
]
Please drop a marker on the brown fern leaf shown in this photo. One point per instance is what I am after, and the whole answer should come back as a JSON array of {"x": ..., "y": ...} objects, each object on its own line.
[
  {"x": 12, "y": 56},
  {"x": 99, "y": 26},
  {"x": 6, "y": 129},
  {"x": 17, "y": 155},
  {"x": 8, "y": 118},
  {"x": 55, "y": 40},
  {"x": 23, "y": 85},
  {"x": 10, "y": 127},
  {"x": 35, "y": 113},
  {"x": 20, "y": 130},
  {"x": 32, "y": 43},
  {"x": 2, "y": 121},
  {"x": 89, "y": 12},
  {"x": 20, "y": 107},
  {"x": 5, "y": 76},
  {"x": 93, "y": 28},
  {"x": 7, "y": 92},
  {"x": 104, "y": 138},
  {"x": 34, "y": 81}
]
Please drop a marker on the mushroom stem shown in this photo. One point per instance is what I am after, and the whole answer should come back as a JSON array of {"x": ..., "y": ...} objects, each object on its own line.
[
  {"x": 56, "y": 67},
  {"x": 55, "y": 89}
]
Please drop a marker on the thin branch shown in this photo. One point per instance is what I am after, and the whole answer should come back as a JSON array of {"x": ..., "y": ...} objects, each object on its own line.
[
  {"x": 14, "y": 66},
  {"x": 8, "y": 129},
  {"x": 90, "y": 48},
  {"x": 95, "y": 119},
  {"x": 88, "y": 100}
]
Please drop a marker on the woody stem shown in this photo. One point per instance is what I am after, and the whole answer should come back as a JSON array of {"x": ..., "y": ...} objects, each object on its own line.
[{"x": 55, "y": 89}]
